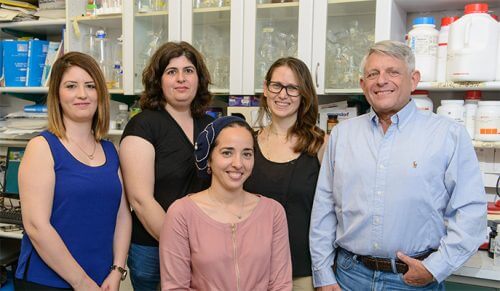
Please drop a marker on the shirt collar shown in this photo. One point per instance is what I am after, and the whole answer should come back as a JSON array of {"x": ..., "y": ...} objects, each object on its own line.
[{"x": 401, "y": 118}]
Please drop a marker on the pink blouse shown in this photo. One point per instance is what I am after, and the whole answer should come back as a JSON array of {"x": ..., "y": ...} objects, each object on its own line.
[{"x": 200, "y": 253}]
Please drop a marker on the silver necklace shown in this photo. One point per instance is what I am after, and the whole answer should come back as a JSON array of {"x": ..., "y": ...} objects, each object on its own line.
[
  {"x": 224, "y": 206},
  {"x": 90, "y": 156}
]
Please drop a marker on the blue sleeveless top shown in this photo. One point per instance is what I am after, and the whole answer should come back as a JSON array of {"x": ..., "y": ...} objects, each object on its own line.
[{"x": 84, "y": 210}]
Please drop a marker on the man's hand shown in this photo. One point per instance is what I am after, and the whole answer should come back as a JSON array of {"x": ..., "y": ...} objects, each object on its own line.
[
  {"x": 417, "y": 274},
  {"x": 334, "y": 287}
]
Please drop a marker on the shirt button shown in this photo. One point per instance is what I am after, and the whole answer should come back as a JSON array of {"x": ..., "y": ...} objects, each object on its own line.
[
  {"x": 379, "y": 193},
  {"x": 376, "y": 220},
  {"x": 382, "y": 166},
  {"x": 375, "y": 246}
]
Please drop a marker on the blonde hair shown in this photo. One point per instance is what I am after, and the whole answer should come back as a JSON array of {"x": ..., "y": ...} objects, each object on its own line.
[{"x": 100, "y": 121}]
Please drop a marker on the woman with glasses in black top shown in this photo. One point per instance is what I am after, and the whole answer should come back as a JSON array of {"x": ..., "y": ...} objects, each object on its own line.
[{"x": 288, "y": 154}]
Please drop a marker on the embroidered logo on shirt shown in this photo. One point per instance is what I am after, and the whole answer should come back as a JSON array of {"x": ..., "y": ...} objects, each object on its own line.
[{"x": 414, "y": 164}]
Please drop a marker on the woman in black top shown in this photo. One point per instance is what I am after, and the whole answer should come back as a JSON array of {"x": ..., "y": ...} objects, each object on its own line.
[
  {"x": 156, "y": 150},
  {"x": 287, "y": 158}
]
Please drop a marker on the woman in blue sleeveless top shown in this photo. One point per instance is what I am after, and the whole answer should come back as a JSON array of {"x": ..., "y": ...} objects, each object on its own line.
[{"x": 75, "y": 214}]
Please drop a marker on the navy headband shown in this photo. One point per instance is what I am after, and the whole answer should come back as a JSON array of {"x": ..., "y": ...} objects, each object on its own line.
[{"x": 206, "y": 140}]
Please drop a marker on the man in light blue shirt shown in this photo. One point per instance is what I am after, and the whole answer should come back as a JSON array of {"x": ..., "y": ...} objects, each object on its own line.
[{"x": 400, "y": 202}]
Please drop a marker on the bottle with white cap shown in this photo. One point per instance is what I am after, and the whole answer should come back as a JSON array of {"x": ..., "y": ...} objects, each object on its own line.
[
  {"x": 453, "y": 109},
  {"x": 423, "y": 41},
  {"x": 443, "y": 47},
  {"x": 470, "y": 107}
]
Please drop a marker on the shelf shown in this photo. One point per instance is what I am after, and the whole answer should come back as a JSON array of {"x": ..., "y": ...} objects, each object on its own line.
[
  {"x": 350, "y": 8},
  {"x": 344, "y": 91},
  {"x": 113, "y": 21},
  {"x": 486, "y": 144},
  {"x": 463, "y": 86},
  {"x": 150, "y": 14},
  {"x": 277, "y": 5},
  {"x": 24, "y": 90},
  {"x": 115, "y": 132},
  {"x": 40, "y": 27},
  {"x": 13, "y": 142},
  {"x": 433, "y": 5},
  {"x": 211, "y": 9}
]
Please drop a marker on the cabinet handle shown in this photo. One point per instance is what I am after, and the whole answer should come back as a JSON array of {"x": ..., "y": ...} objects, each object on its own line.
[{"x": 316, "y": 75}]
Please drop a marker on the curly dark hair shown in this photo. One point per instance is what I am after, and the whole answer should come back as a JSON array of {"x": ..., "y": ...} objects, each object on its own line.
[{"x": 153, "y": 98}]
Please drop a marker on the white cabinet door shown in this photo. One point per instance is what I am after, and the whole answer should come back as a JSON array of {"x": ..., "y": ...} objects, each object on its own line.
[
  {"x": 274, "y": 30},
  {"x": 81, "y": 36},
  {"x": 209, "y": 26},
  {"x": 343, "y": 30}
]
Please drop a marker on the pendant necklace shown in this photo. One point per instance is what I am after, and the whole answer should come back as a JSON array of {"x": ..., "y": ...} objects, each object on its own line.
[
  {"x": 216, "y": 201},
  {"x": 91, "y": 155}
]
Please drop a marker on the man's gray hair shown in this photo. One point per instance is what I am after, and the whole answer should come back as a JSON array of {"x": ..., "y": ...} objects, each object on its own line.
[{"x": 391, "y": 48}]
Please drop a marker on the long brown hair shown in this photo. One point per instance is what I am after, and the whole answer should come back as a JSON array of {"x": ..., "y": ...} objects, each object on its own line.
[
  {"x": 310, "y": 137},
  {"x": 153, "y": 98},
  {"x": 100, "y": 121}
]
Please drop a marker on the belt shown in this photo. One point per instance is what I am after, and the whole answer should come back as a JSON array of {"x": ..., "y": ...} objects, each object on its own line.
[{"x": 385, "y": 265}]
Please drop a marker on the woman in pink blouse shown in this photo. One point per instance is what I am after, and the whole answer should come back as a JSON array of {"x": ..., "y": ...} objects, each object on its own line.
[{"x": 225, "y": 238}]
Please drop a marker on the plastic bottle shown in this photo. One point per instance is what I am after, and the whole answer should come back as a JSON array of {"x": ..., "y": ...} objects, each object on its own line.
[
  {"x": 454, "y": 109},
  {"x": 422, "y": 100},
  {"x": 472, "y": 45},
  {"x": 491, "y": 239},
  {"x": 470, "y": 109},
  {"x": 496, "y": 255},
  {"x": 122, "y": 117},
  {"x": 423, "y": 41},
  {"x": 90, "y": 9},
  {"x": 135, "y": 109},
  {"x": 498, "y": 48},
  {"x": 443, "y": 47},
  {"x": 117, "y": 76},
  {"x": 102, "y": 55},
  {"x": 487, "y": 126}
]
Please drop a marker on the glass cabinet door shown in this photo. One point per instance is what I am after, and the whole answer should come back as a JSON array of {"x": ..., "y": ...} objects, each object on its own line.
[
  {"x": 276, "y": 35},
  {"x": 98, "y": 35},
  {"x": 150, "y": 30},
  {"x": 349, "y": 32},
  {"x": 211, "y": 27}
]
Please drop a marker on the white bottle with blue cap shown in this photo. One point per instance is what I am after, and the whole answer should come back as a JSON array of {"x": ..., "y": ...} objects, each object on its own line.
[{"x": 423, "y": 41}]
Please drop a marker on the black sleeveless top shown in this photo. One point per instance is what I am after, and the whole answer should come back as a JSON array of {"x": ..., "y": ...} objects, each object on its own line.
[{"x": 292, "y": 184}]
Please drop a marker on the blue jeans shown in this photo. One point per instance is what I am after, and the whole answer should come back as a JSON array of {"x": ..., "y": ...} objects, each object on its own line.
[
  {"x": 144, "y": 265},
  {"x": 351, "y": 274}
]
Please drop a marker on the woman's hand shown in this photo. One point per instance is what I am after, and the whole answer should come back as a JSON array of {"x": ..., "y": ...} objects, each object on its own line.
[
  {"x": 86, "y": 284},
  {"x": 112, "y": 282}
]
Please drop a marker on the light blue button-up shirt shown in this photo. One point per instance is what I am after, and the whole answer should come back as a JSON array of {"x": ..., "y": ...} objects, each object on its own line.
[{"x": 416, "y": 187}]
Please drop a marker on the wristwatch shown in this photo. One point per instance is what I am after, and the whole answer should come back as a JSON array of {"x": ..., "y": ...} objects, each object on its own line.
[{"x": 121, "y": 270}]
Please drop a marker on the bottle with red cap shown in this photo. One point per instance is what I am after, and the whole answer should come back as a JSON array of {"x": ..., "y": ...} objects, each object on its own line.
[
  {"x": 470, "y": 108},
  {"x": 422, "y": 100},
  {"x": 472, "y": 45},
  {"x": 443, "y": 47}
]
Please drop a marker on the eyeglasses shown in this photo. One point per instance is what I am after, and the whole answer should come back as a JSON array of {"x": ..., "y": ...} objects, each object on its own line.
[{"x": 276, "y": 87}]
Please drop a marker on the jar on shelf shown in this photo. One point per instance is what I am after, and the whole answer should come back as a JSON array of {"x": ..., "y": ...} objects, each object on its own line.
[
  {"x": 487, "y": 126},
  {"x": 453, "y": 109},
  {"x": 422, "y": 100},
  {"x": 470, "y": 108},
  {"x": 423, "y": 41}
]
